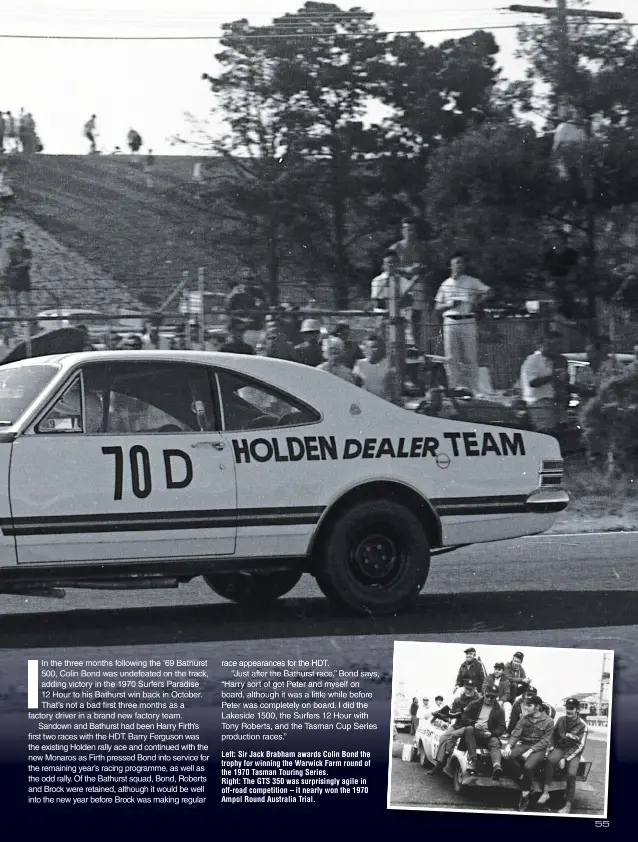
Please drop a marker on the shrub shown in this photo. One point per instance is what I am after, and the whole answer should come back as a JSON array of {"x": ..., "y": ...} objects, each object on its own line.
[{"x": 610, "y": 421}]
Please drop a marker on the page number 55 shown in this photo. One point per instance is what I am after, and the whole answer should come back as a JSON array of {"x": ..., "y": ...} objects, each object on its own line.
[{"x": 602, "y": 824}]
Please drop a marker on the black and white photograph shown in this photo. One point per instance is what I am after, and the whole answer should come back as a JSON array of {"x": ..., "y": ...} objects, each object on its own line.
[
  {"x": 318, "y": 332},
  {"x": 500, "y": 729}
]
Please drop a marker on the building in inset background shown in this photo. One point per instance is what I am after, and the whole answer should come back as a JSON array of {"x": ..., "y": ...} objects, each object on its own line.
[{"x": 605, "y": 685}]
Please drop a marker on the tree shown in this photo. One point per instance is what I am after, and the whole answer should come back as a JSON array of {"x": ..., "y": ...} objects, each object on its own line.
[
  {"x": 436, "y": 93},
  {"x": 293, "y": 95},
  {"x": 488, "y": 193}
]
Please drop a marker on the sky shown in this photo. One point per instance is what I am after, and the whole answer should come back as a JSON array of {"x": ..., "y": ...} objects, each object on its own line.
[
  {"x": 430, "y": 669},
  {"x": 150, "y": 85}
]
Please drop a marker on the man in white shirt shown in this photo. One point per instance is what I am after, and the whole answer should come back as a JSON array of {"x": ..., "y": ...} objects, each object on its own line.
[
  {"x": 374, "y": 371},
  {"x": 391, "y": 281},
  {"x": 543, "y": 379},
  {"x": 458, "y": 300},
  {"x": 424, "y": 714}
]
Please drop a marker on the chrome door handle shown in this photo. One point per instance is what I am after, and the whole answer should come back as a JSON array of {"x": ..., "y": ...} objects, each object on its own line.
[{"x": 218, "y": 445}]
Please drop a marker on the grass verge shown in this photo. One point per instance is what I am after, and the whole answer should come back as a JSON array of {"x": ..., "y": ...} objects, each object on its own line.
[{"x": 599, "y": 503}]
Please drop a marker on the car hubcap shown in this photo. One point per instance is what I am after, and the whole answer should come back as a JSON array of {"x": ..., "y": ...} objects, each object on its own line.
[{"x": 376, "y": 560}]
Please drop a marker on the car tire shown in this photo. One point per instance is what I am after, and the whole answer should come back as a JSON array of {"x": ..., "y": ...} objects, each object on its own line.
[
  {"x": 457, "y": 779},
  {"x": 253, "y": 589},
  {"x": 376, "y": 558}
]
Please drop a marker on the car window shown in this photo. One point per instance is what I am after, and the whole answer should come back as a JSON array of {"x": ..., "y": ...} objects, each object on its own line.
[
  {"x": 251, "y": 405},
  {"x": 66, "y": 415},
  {"x": 153, "y": 397},
  {"x": 20, "y": 386}
]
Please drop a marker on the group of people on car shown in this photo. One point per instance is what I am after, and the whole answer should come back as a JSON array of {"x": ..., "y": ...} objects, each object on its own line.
[{"x": 502, "y": 712}]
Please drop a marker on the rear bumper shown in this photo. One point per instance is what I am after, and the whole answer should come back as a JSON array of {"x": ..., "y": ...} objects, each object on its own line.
[{"x": 547, "y": 501}]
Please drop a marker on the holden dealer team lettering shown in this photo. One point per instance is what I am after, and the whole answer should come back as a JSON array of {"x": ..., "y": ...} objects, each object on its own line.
[{"x": 323, "y": 448}]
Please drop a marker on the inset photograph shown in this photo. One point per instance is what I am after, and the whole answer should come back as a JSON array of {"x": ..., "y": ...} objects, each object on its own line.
[{"x": 500, "y": 729}]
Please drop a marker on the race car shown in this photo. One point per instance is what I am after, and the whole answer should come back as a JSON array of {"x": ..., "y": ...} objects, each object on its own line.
[
  {"x": 149, "y": 468},
  {"x": 427, "y": 740}
]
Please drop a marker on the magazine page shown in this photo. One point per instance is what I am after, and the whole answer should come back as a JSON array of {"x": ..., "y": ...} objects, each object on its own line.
[{"x": 318, "y": 389}]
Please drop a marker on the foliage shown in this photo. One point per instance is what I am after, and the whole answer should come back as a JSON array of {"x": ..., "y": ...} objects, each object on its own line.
[{"x": 611, "y": 421}]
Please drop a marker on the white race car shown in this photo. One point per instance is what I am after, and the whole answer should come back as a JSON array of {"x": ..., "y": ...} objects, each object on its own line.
[{"x": 149, "y": 468}]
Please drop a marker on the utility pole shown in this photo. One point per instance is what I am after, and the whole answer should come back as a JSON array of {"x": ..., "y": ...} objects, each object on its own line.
[{"x": 560, "y": 15}]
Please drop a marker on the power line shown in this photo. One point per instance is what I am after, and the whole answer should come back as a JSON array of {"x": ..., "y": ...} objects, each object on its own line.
[{"x": 252, "y": 37}]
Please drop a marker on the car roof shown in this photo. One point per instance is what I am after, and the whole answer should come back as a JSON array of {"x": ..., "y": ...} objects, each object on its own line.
[{"x": 311, "y": 385}]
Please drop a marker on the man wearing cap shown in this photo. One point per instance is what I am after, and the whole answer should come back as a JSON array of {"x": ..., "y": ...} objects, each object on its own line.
[
  {"x": 309, "y": 351},
  {"x": 454, "y": 731},
  {"x": 527, "y": 746},
  {"x": 498, "y": 679},
  {"x": 570, "y": 735},
  {"x": 515, "y": 674},
  {"x": 472, "y": 668},
  {"x": 484, "y": 722},
  {"x": 519, "y": 706}
]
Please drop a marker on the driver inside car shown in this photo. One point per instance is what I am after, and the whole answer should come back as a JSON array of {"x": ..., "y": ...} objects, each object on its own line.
[{"x": 70, "y": 406}]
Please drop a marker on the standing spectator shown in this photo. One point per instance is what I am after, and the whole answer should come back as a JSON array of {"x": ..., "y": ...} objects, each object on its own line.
[
  {"x": 2, "y": 128},
  {"x": 602, "y": 366},
  {"x": 28, "y": 134},
  {"x": 275, "y": 343},
  {"x": 90, "y": 133},
  {"x": 333, "y": 352},
  {"x": 309, "y": 351},
  {"x": 560, "y": 270},
  {"x": 424, "y": 714},
  {"x": 382, "y": 287},
  {"x": 414, "y": 719},
  {"x": 11, "y": 133},
  {"x": 134, "y": 141},
  {"x": 544, "y": 383},
  {"x": 7, "y": 196},
  {"x": 458, "y": 300},
  {"x": 245, "y": 299},
  {"x": 235, "y": 343},
  {"x": 22, "y": 130},
  {"x": 148, "y": 167},
  {"x": 150, "y": 335},
  {"x": 17, "y": 271},
  {"x": 412, "y": 254},
  {"x": 352, "y": 351},
  {"x": 374, "y": 370}
]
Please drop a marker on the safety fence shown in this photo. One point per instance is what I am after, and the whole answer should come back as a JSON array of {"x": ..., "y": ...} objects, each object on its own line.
[{"x": 503, "y": 343}]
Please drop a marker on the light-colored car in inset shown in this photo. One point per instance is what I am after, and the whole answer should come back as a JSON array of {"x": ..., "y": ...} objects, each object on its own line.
[{"x": 427, "y": 741}]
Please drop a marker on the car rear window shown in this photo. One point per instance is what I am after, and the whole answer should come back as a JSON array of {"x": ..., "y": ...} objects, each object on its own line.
[{"x": 20, "y": 386}]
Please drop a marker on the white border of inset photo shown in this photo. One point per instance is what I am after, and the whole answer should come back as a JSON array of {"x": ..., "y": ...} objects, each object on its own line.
[{"x": 423, "y": 671}]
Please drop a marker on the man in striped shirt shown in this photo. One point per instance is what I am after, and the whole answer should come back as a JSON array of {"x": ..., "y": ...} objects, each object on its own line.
[{"x": 570, "y": 735}]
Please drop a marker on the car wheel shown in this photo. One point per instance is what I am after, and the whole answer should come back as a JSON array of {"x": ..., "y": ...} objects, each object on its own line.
[
  {"x": 253, "y": 589},
  {"x": 423, "y": 760},
  {"x": 376, "y": 558},
  {"x": 457, "y": 780}
]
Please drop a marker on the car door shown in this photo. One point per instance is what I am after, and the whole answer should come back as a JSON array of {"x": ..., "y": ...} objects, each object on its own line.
[{"x": 126, "y": 463}]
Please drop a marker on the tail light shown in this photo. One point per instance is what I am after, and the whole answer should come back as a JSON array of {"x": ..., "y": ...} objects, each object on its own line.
[{"x": 550, "y": 473}]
